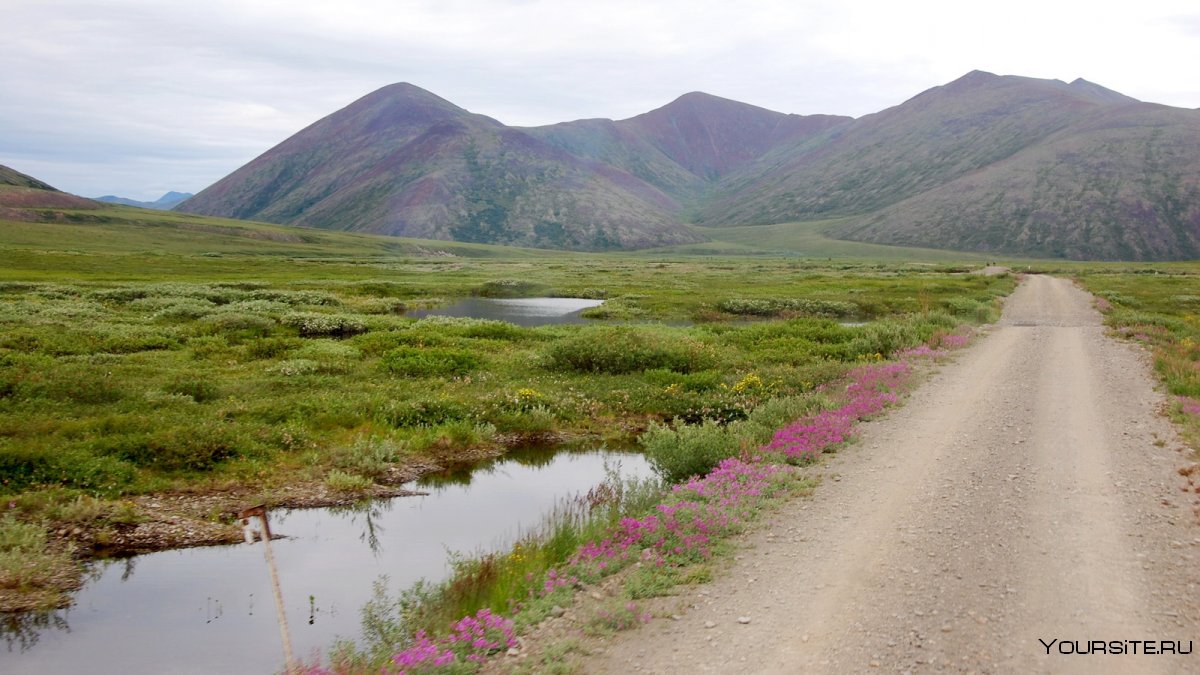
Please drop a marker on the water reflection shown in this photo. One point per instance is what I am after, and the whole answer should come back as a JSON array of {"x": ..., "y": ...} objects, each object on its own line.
[
  {"x": 23, "y": 630},
  {"x": 210, "y": 610},
  {"x": 533, "y": 457},
  {"x": 369, "y": 513},
  {"x": 520, "y": 311}
]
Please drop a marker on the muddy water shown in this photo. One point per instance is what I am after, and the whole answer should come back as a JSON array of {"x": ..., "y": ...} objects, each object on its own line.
[
  {"x": 210, "y": 610},
  {"x": 521, "y": 311}
]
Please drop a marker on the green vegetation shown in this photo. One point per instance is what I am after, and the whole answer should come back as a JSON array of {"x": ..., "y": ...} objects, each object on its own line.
[
  {"x": 1160, "y": 307},
  {"x": 127, "y": 371},
  {"x": 810, "y": 240}
]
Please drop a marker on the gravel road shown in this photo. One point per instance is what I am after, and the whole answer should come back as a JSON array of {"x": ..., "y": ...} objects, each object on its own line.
[{"x": 1026, "y": 492}]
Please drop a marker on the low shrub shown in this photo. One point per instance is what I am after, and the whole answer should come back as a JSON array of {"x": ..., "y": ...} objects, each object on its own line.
[
  {"x": 422, "y": 413},
  {"x": 311, "y": 324},
  {"x": 199, "y": 389},
  {"x": 198, "y": 447},
  {"x": 340, "y": 481},
  {"x": 780, "y": 306},
  {"x": 271, "y": 347},
  {"x": 73, "y": 467},
  {"x": 237, "y": 325},
  {"x": 369, "y": 456},
  {"x": 618, "y": 350},
  {"x": 429, "y": 362},
  {"x": 688, "y": 450},
  {"x": 293, "y": 367},
  {"x": 509, "y": 288}
]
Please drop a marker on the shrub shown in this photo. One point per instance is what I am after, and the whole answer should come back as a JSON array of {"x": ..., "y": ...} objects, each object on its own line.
[
  {"x": 186, "y": 309},
  {"x": 71, "y": 384},
  {"x": 381, "y": 306},
  {"x": 237, "y": 324},
  {"x": 429, "y": 362},
  {"x": 369, "y": 456},
  {"x": 311, "y": 324},
  {"x": 197, "y": 447},
  {"x": 422, "y": 413},
  {"x": 263, "y": 307},
  {"x": 75, "y": 467},
  {"x": 126, "y": 339},
  {"x": 199, "y": 389},
  {"x": 340, "y": 481},
  {"x": 271, "y": 347},
  {"x": 298, "y": 297},
  {"x": 704, "y": 380},
  {"x": 509, "y": 288},
  {"x": 624, "y": 349},
  {"x": 293, "y": 367},
  {"x": 689, "y": 450},
  {"x": 779, "y": 306},
  {"x": 435, "y": 327}
]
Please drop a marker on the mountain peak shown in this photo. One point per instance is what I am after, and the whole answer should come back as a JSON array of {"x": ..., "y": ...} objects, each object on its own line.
[
  {"x": 1099, "y": 93},
  {"x": 972, "y": 80}
]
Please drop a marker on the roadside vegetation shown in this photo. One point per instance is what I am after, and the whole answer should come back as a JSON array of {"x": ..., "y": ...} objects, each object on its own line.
[
  {"x": 626, "y": 542},
  {"x": 1158, "y": 306}
]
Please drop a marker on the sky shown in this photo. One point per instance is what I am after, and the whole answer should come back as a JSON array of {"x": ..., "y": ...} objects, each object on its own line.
[{"x": 138, "y": 97}]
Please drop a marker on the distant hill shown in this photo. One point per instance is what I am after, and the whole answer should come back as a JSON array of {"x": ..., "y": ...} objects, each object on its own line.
[
  {"x": 20, "y": 193},
  {"x": 164, "y": 203},
  {"x": 10, "y": 176},
  {"x": 996, "y": 164}
]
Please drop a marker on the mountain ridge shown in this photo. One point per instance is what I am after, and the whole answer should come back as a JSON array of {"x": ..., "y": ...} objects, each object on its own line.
[
  {"x": 404, "y": 161},
  {"x": 164, "y": 203}
]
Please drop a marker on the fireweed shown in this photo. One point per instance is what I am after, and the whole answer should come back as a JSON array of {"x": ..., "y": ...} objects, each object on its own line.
[{"x": 692, "y": 517}]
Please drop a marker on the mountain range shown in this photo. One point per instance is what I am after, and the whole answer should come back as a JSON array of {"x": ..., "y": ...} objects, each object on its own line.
[
  {"x": 1004, "y": 164},
  {"x": 164, "y": 203}
]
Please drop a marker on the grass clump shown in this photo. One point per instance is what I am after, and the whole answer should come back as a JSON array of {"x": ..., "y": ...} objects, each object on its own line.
[
  {"x": 311, "y": 324},
  {"x": 430, "y": 362},
  {"x": 617, "y": 350},
  {"x": 29, "y": 565}
]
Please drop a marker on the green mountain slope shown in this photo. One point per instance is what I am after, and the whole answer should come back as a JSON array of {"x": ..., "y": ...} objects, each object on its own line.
[
  {"x": 1123, "y": 185},
  {"x": 402, "y": 161},
  {"x": 878, "y": 160}
]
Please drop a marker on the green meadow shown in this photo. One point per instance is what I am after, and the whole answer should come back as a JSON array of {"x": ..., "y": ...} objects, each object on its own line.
[{"x": 146, "y": 353}]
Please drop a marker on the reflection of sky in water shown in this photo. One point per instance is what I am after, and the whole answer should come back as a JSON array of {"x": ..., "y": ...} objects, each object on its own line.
[
  {"x": 210, "y": 610},
  {"x": 521, "y": 311}
]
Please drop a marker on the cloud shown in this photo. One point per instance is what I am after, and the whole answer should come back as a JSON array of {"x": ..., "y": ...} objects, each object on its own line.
[{"x": 138, "y": 93}]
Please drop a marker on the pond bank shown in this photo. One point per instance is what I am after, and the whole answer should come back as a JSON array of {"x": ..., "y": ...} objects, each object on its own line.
[{"x": 133, "y": 611}]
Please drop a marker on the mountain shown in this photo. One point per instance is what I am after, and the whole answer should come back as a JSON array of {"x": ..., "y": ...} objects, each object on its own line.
[
  {"x": 684, "y": 147},
  {"x": 1003, "y": 164},
  {"x": 19, "y": 194},
  {"x": 164, "y": 203},
  {"x": 403, "y": 161},
  {"x": 1123, "y": 184},
  {"x": 990, "y": 163},
  {"x": 880, "y": 159}
]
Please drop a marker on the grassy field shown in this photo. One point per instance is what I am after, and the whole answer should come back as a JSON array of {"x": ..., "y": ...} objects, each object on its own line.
[
  {"x": 146, "y": 353},
  {"x": 809, "y": 240}
]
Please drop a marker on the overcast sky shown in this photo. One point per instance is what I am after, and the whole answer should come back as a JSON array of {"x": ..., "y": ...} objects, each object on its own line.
[{"x": 137, "y": 97}]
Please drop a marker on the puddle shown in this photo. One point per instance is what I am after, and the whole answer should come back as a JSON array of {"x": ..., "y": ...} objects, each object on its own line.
[
  {"x": 210, "y": 610},
  {"x": 519, "y": 311}
]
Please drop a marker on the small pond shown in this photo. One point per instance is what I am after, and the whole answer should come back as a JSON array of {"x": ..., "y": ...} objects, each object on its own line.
[
  {"x": 210, "y": 610},
  {"x": 519, "y": 311}
]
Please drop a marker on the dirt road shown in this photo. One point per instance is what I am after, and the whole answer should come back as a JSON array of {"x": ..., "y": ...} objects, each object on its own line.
[{"x": 1026, "y": 492}]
